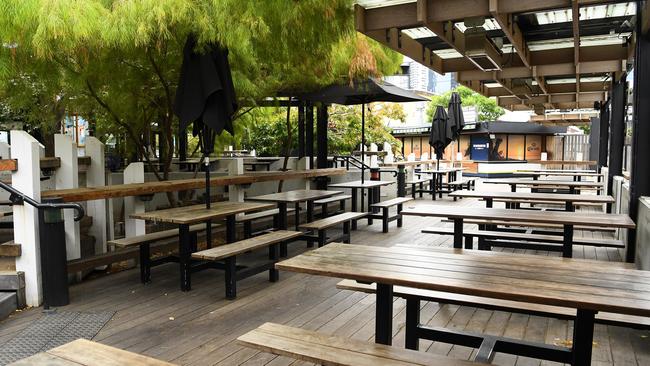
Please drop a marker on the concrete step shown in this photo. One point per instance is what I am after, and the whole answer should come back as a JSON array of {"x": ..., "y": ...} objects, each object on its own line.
[
  {"x": 13, "y": 282},
  {"x": 8, "y": 304}
]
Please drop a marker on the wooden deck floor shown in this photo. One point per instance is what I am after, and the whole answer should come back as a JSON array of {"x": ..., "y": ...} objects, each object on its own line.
[{"x": 199, "y": 327}]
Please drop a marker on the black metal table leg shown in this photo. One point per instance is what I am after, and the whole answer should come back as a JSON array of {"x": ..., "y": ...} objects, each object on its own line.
[
  {"x": 434, "y": 184},
  {"x": 371, "y": 201},
  {"x": 231, "y": 229},
  {"x": 440, "y": 186},
  {"x": 583, "y": 337},
  {"x": 208, "y": 233},
  {"x": 231, "y": 278},
  {"x": 489, "y": 202},
  {"x": 401, "y": 181},
  {"x": 412, "y": 341},
  {"x": 384, "y": 314},
  {"x": 297, "y": 215},
  {"x": 354, "y": 206},
  {"x": 513, "y": 188},
  {"x": 568, "y": 206},
  {"x": 458, "y": 233},
  {"x": 282, "y": 225},
  {"x": 567, "y": 244},
  {"x": 310, "y": 211},
  {"x": 145, "y": 263},
  {"x": 185, "y": 260},
  {"x": 274, "y": 254}
]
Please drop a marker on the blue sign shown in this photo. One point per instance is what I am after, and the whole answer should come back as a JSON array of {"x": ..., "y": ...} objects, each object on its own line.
[{"x": 480, "y": 148}]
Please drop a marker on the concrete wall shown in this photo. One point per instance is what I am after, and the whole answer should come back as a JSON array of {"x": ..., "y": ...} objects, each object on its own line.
[{"x": 642, "y": 259}]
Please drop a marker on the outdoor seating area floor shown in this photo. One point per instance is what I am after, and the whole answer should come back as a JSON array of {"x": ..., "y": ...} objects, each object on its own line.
[{"x": 200, "y": 327}]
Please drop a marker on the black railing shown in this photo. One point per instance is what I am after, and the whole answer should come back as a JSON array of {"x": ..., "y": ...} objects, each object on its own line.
[{"x": 18, "y": 198}]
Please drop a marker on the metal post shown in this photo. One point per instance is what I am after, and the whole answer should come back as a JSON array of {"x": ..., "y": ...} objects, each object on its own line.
[
  {"x": 301, "y": 130},
  {"x": 309, "y": 133},
  {"x": 617, "y": 131},
  {"x": 321, "y": 135},
  {"x": 583, "y": 336},
  {"x": 603, "y": 139},
  {"x": 640, "y": 174},
  {"x": 412, "y": 341},
  {"x": 54, "y": 267},
  {"x": 384, "y": 314}
]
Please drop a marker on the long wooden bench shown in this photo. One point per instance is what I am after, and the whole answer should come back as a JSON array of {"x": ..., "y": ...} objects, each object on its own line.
[
  {"x": 247, "y": 220},
  {"x": 320, "y": 228},
  {"x": 488, "y": 238},
  {"x": 144, "y": 243},
  {"x": 83, "y": 352},
  {"x": 228, "y": 254},
  {"x": 500, "y": 305},
  {"x": 310, "y": 346},
  {"x": 324, "y": 203},
  {"x": 385, "y": 207}
]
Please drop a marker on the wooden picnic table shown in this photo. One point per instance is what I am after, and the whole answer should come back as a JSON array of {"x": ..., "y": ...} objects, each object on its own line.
[
  {"x": 282, "y": 199},
  {"x": 568, "y": 199},
  {"x": 262, "y": 162},
  {"x": 188, "y": 215},
  {"x": 401, "y": 173},
  {"x": 567, "y": 219},
  {"x": 83, "y": 352},
  {"x": 435, "y": 185},
  {"x": 558, "y": 170},
  {"x": 356, "y": 187},
  {"x": 569, "y": 283},
  {"x": 536, "y": 184}
]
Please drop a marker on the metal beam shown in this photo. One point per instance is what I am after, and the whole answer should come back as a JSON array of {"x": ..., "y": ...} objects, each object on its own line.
[
  {"x": 554, "y": 99},
  {"x": 569, "y": 88},
  {"x": 543, "y": 70},
  {"x": 404, "y": 16},
  {"x": 575, "y": 14},
  {"x": 397, "y": 41},
  {"x": 511, "y": 29}
]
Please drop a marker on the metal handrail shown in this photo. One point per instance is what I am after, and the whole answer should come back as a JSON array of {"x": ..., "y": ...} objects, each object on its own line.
[{"x": 18, "y": 198}]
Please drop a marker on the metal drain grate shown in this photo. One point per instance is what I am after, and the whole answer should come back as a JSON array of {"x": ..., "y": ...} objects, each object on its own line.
[{"x": 52, "y": 330}]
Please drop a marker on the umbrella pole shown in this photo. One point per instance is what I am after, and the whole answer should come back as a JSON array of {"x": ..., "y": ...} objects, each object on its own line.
[
  {"x": 207, "y": 140},
  {"x": 363, "y": 142}
]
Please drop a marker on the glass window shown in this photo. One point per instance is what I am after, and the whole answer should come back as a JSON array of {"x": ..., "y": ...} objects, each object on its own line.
[
  {"x": 516, "y": 147},
  {"x": 533, "y": 147}
]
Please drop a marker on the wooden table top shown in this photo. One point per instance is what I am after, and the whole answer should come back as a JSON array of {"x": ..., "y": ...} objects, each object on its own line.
[
  {"x": 561, "y": 281},
  {"x": 85, "y": 352},
  {"x": 559, "y": 183},
  {"x": 558, "y": 170},
  {"x": 502, "y": 214},
  {"x": 299, "y": 195},
  {"x": 535, "y": 196},
  {"x": 198, "y": 213},
  {"x": 365, "y": 184},
  {"x": 442, "y": 171},
  {"x": 559, "y": 174}
]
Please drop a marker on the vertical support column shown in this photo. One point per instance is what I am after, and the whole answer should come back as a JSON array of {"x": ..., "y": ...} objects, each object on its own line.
[
  {"x": 603, "y": 140},
  {"x": 303, "y": 164},
  {"x": 96, "y": 177},
  {"x": 134, "y": 173},
  {"x": 309, "y": 133},
  {"x": 617, "y": 130},
  {"x": 67, "y": 177},
  {"x": 640, "y": 174},
  {"x": 26, "y": 179},
  {"x": 301, "y": 130},
  {"x": 235, "y": 192},
  {"x": 321, "y": 134}
]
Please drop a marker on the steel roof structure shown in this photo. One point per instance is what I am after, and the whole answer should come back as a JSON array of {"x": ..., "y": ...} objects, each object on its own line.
[{"x": 531, "y": 55}]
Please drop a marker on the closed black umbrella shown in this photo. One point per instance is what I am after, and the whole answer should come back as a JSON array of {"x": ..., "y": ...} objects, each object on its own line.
[
  {"x": 205, "y": 97},
  {"x": 441, "y": 133},
  {"x": 363, "y": 92},
  {"x": 455, "y": 114}
]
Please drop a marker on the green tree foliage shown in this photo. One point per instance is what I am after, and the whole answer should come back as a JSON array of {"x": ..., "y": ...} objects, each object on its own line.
[
  {"x": 116, "y": 62},
  {"x": 487, "y": 108}
]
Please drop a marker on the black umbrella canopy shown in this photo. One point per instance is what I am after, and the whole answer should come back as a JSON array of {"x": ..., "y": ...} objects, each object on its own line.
[
  {"x": 205, "y": 94},
  {"x": 455, "y": 114},
  {"x": 361, "y": 92},
  {"x": 440, "y": 136}
]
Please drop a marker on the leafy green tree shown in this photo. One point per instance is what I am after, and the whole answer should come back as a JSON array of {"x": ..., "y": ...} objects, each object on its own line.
[
  {"x": 487, "y": 108},
  {"x": 117, "y": 62}
]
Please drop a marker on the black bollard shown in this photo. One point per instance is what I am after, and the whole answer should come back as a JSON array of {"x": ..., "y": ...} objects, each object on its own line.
[{"x": 54, "y": 268}]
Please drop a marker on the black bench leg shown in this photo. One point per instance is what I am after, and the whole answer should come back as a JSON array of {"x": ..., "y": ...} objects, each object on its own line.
[
  {"x": 231, "y": 278},
  {"x": 145, "y": 263},
  {"x": 399, "y": 215},
  {"x": 384, "y": 220},
  {"x": 413, "y": 190},
  {"x": 297, "y": 216},
  {"x": 274, "y": 254},
  {"x": 248, "y": 229},
  {"x": 322, "y": 237},
  {"x": 412, "y": 323},
  {"x": 346, "y": 231},
  {"x": 469, "y": 242},
  {"x": 323, "y": 210},
  {"x": 421, "y": 190},
  {"x": 342, "y": 205}
]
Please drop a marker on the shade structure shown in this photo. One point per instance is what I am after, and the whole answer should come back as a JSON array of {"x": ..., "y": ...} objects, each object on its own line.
[
  {"x": 441, "y": 134},
  {"x": 205, "y": 97},
  {"x": 455, "y": 115},
  {"x": 363, "y": 92}
]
